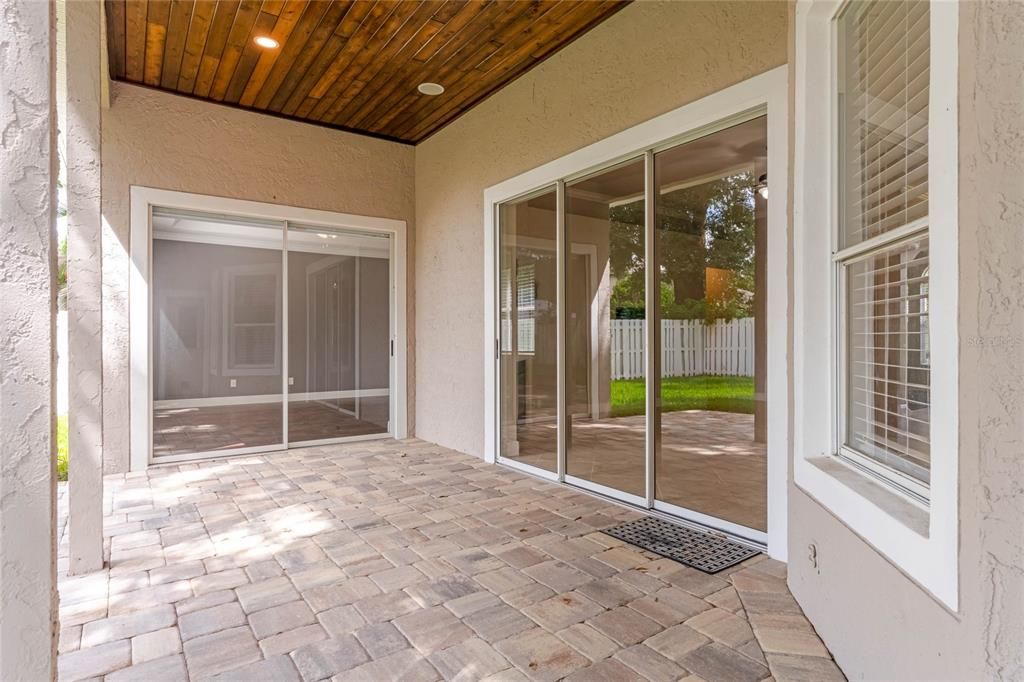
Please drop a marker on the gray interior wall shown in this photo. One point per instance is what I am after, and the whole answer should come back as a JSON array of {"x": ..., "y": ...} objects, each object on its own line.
[
  {"x": 647, "y": 59},
  {"x": 374, "y": 323},
  {"x": 877, "y": 622},
  {"x": 198, "y": 270},
  {"x": 161, "y": 140}
]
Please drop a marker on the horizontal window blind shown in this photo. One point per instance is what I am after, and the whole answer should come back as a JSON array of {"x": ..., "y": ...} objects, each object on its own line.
[
  {"x": 254, "y": 298},
  {"x": 883, "y": 181},
  {"x": 253, "y": 320},
  {"x": 527, "y": 300},
  {"x": 884, "y": 72},
  {"x": 888, "y": 376},
  {"x": 524, "y": 311},
  {"x": 253, "y": 346}
]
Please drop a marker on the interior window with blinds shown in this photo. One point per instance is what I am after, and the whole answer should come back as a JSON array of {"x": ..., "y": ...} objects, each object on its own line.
[
  {"x": 253, "y": 318},
  {"x": 882, "y": 249},
  {"x": 525, "y": 309}
]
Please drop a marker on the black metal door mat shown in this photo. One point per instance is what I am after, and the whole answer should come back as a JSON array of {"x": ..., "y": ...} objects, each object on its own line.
[{"x": 702, "y": 550}]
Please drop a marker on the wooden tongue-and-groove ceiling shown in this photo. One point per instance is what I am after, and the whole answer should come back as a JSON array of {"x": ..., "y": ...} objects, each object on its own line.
[{"x": 353, "y": 65}]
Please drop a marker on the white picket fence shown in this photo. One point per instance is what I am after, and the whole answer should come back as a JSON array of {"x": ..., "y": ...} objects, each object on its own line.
[{"x": 688, "y": 348}]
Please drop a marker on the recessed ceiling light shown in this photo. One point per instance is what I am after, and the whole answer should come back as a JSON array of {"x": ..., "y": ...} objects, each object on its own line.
[
  {"x": 430, "y": 88},
  {"x": 267, "y": 41}
]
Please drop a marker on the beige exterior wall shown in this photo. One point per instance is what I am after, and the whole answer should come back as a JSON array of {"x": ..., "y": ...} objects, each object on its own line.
[
  {"x": 876, "y": 621},
  {"x": 649, "y": 58},
  {"x": 28, "y": 258},
  {"x": 170, "y": 142}
]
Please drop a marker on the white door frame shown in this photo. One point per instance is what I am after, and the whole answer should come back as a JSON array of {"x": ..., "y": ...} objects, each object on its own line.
[
  {"x": 764, "y": 93},
  {"x": 143, "y": 199}
]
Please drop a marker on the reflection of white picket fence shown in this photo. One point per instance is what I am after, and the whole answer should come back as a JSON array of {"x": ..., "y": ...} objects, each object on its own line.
[{"x": 688, "y": 347}]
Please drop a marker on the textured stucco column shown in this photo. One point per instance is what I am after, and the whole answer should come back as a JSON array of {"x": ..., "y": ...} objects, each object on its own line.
[
  {"x": 85, "y": 341},
  {"x": 992, "y": 335},
  {"x": 28, "y": 162}
]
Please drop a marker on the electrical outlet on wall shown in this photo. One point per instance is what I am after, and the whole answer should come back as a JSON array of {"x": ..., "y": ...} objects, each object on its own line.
[
  {"x": 233, "y": 383},
  {"x": 291, "y": 381}
]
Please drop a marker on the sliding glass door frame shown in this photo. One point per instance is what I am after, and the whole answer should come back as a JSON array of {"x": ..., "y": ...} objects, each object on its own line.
[
  {"x": 760, "y": 96},
  {"x": 651, "y": 360},
  {"x": 391, "y": 315},
  {"x": 140, "y": 290}
]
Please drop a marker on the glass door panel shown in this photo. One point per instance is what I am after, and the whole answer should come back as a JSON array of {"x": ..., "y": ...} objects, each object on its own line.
[
  {"x": 527, "y": 289},
  {"x": 339, "y": 334},
  {"x": 605, "y": 323},
  {"x": 216, "y": 334},
  {"x": 711, "y": 219}
]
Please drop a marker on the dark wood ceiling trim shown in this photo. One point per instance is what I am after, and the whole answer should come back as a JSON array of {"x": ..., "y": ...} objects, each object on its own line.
[
  {"x": 481, "y": 26},
  {"x": 350, "y": 65},
  {"x": 304, "y": 59},
  {"x": 507, "y": 71},
  {"x": 195, "y": 45}
]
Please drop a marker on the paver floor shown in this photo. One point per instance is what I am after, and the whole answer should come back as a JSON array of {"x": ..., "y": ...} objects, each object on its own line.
[
  {"x": 407, "y": 561},
  {"x": 707, "y": 461}
]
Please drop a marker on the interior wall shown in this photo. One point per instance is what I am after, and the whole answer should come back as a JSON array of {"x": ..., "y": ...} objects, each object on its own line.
[
  {"x": 197, "y": 271},
  {"x": 877, "y": 622},
  {"x": 647, "y": 59},
  {"x": 156, "y": 139}
]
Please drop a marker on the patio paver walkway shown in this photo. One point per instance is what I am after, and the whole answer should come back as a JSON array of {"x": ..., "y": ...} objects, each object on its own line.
[{"x": 404, "y": 560}]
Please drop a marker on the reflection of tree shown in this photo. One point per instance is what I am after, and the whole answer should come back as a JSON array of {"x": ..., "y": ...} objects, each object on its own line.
[{"x": 706, "y": 240}]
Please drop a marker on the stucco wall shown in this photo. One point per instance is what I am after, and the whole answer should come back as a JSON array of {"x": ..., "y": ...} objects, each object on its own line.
[
  {"x": 161, "y": 140},
  {"x": 876, "y": 621},
  {"x": 28, "y": 203},
  {"x": 649, "y": 58}
]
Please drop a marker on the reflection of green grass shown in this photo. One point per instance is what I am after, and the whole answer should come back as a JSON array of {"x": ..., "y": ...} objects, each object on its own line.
[
  {"x": 62, "y": 447},
  {"x": 704, "y": 392}
]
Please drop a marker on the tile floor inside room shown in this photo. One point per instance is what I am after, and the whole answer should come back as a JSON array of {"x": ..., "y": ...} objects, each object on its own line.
[
  {"x": 407, "y": 561},
  {"x": 182, "y": 430},
  {"x": 708, "y": 460}
]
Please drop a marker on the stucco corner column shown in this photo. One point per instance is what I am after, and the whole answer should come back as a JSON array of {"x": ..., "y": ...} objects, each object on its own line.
[
  {"x": 28, "y": 171},
  {"x": 85, "y": 331}
]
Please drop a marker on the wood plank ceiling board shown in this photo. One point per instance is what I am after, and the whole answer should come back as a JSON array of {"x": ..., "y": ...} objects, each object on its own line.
[{"x": 353, "y": 65}]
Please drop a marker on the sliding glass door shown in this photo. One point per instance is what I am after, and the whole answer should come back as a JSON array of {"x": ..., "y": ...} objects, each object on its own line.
[
  {"x": 528, "y": 339},
  {"x": 338, "y": 334},
  {"x": 266, "y": 334},
  {"x": 710, "y": 234},
  {"x": 217, "y": 334},
  {"x": 632, "y": 329},
  {"x": 605, "y": 270}
]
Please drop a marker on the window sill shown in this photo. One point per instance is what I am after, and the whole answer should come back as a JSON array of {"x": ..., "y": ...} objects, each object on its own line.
[
  {"x": 902, "y": 510},
  {"x": 901, "y": 531}
]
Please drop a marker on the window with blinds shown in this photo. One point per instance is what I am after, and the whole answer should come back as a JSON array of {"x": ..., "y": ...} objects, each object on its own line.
[
  {"x": 525, "y": 310},
  {"x": 882, "y": 250},
  {"x": 252, "y": 320},
  {"x": 527, "y": 307}
]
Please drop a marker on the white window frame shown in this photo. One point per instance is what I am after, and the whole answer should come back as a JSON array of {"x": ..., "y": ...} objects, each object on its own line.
[
  {"x": 765, "y": 93},
  {"x": 228, "y": 333},
  {"x": 922, "y": 540},
  {"x": 140, "y": 293}
]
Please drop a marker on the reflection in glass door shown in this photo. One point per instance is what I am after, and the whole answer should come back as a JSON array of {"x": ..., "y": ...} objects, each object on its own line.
[
  {"x": 527, "y": 289},
  {"x": 339, "y": 331},
  {"x": 246, "y": 312},
  {"x": 217, "y": 334},
  {"x": 654, "y": 282},
  {"x": 605, "y": 318},
  {"x": 711, "y": 236}
]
